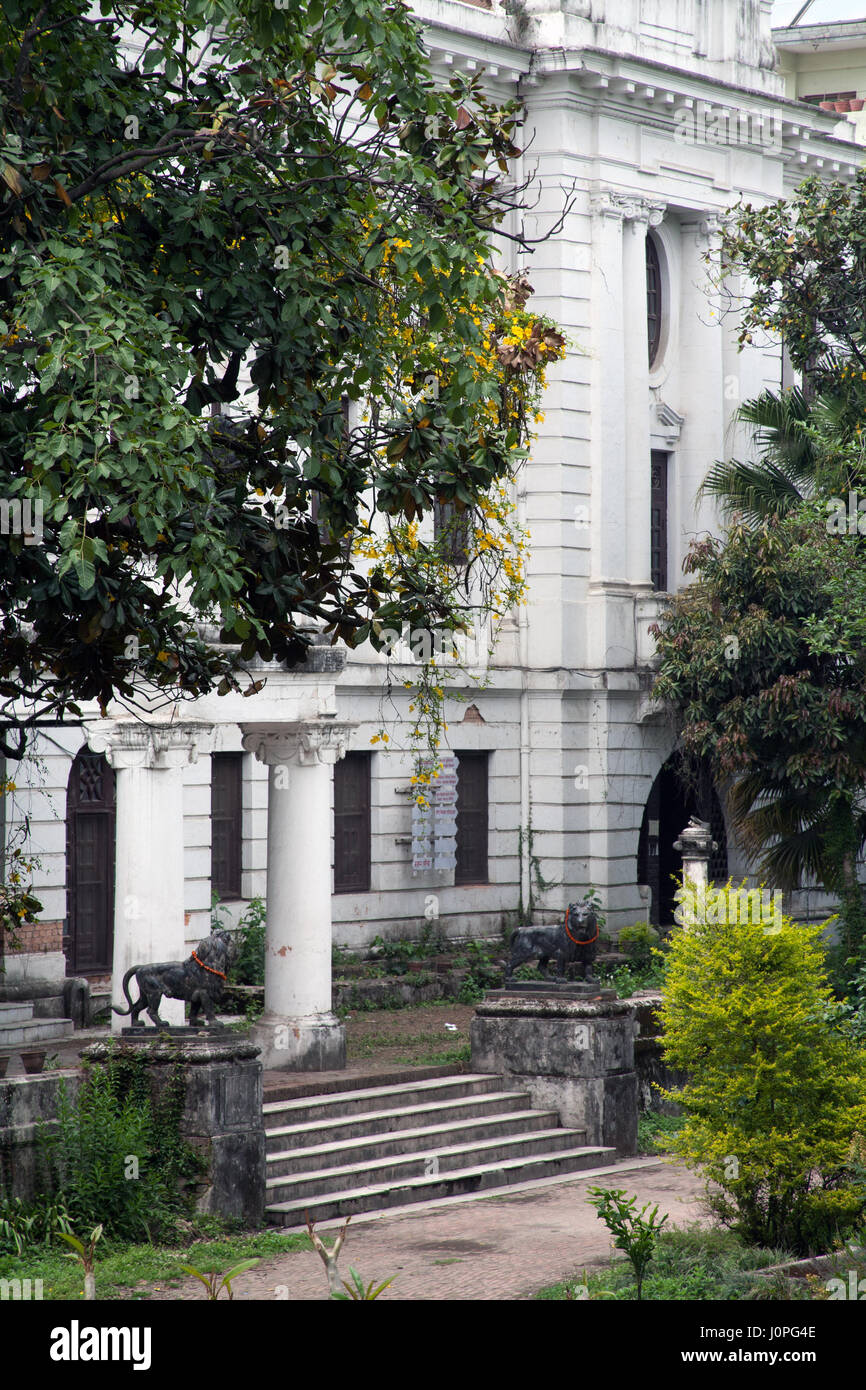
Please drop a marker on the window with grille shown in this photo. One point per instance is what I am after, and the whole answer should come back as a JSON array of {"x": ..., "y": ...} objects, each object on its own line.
[
  {"x": 226, "y": 816},
  {"x": 472, "y": 818},
  {"x": 653, "y": 299},
  {"x": 352, "y": 824}
]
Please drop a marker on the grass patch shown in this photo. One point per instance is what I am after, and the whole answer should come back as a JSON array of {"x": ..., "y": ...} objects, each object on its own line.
[
  {"x": 654, "y": 1131},
  {"x": 446, "y": 1058},
  {"x": 427, "y": 1044},
  {"x": 691, "y": 1264},
  {"x": 120, "y": 1268}
]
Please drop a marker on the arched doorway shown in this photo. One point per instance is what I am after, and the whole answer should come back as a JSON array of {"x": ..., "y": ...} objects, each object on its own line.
[
  {"x": 90, "y": 828},
  {"x": 673, "y": 800}
]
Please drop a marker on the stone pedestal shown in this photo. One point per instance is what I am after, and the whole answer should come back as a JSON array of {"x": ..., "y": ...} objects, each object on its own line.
[
  {"x": 298, "y": 1031},
  {"x": 572, "y": 1056},
  {"x": 222, "y": 1116}
]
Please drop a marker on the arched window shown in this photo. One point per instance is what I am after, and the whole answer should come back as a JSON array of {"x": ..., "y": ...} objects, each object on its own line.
[{"x": 653, "y": 299}]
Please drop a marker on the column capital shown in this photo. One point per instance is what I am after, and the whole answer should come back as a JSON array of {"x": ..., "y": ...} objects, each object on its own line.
[
  {"x": 303, "y": 743},
  {"x": 132, "y": 743},
  {"x": 706, "y": 230},
  {"x": 628, "y": 207}
]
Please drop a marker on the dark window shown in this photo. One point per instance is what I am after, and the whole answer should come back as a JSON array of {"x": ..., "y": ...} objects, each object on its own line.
[
  {"x": 471, "y": 818},
  {"x": 226, "y": 830},
  {"x": 352, "y": 824},
  {"x": 659, "y": 520},
  {"x": 653, "y": 299}
]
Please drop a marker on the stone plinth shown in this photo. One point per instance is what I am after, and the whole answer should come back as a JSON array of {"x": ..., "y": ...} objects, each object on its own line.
[
  {"x": 28, "y": 1105},
  {"x": 572, "y": 1056},
  {"x": 222, "y": 1115}
]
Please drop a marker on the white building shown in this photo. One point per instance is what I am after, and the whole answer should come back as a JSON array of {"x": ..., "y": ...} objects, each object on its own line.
[{"x": 657, "y": 115}]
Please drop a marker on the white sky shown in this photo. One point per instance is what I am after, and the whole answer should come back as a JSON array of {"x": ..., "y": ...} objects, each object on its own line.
[{"x": 819, "y": 12}]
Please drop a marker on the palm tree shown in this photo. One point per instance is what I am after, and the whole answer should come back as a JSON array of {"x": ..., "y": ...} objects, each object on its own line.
[
  {"x": 784, "y": 475},
  {"x": 804, "y": 445}
]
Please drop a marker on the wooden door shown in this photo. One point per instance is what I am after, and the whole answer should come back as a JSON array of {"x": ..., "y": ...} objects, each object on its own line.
[{"x": 90, "y": 832}]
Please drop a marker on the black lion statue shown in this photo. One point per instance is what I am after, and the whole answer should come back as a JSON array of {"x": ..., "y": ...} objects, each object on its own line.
[
  {"x": 572, "y": 941},
  {"x": 200, "y": 980}
]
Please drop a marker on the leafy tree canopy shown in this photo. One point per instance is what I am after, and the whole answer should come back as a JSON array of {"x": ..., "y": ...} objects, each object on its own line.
[
  {"x": 805, "y": 258},
  {"x": 762, "y": 657},
  {"x": 188, "y": 188}
]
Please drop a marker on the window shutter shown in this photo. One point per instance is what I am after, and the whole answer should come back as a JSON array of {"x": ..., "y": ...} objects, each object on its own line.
[
  {"x": 352, "y": 824},
  {"x": 472, "y": 818},
  {"x": 659, "y": 520},
  {"x": 226, "y": 813}
]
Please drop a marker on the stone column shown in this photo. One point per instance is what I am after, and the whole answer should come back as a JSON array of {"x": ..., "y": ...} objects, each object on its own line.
[
  {"x": 702, "y": 378},
  {"x": 609, "y": 564},
  {"x": 640, "y": 216},
  {"x": 298, "y": 1031},
  {"x": 149, "y": 870}
]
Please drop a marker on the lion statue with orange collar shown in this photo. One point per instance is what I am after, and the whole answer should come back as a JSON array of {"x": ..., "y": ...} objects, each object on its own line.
[{"x": 200, "y": 980}]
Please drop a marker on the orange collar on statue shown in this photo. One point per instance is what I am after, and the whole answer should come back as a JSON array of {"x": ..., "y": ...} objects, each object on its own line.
[
  {"x": 208, "y": 968},
  {"x": 575, "y": 939}
]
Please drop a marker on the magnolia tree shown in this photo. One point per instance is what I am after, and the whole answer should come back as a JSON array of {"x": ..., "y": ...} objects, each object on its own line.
[{"x": 193, "y": 192}]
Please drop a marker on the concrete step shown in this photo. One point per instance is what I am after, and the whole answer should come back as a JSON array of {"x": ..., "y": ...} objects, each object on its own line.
[
  {"x": 294, "y": 1085},
  {"x": 299, "y": 1188},
  {"x": 15, "y": 1013},
  {"x": 606, "y": 1172},
  {"x": 307, "y": 1110},
  {"x": 485, "y": 1177},
  {"x": 34, "y": 1032},
  {"x": 49, "y": 1006},
  {"x": 369, "y": 1148},
  {"x": 338, "y": 1129}
]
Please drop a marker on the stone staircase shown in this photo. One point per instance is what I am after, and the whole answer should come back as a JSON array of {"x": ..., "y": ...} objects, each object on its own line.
[
  {"x": 368, "y": 1150},
  {"x": 26, "y": 1023}
]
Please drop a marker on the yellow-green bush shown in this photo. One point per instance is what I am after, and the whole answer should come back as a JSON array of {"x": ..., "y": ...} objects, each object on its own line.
[{"x": 776, "y": 1092}]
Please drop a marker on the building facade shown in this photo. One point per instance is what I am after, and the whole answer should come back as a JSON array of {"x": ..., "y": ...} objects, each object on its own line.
[{"x": 646, "y": 120}]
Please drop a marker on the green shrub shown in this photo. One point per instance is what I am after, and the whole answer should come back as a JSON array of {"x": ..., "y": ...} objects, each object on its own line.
[
  {"x": 248, "y": 967},
  {"x": 639, "y": 942},
  {"x": 654, "y": 1131},
  {"x": 628, "y": 979},
  {"x": 690, "y": 1263},
  {"x": 26, "y": 1226},
  {"x": 116, "y": 1157},
  {"x": 776, "y": 1093}
]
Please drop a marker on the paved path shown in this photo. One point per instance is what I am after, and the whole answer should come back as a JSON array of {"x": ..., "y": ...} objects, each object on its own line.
[{"x": 504, "y": 1247}]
